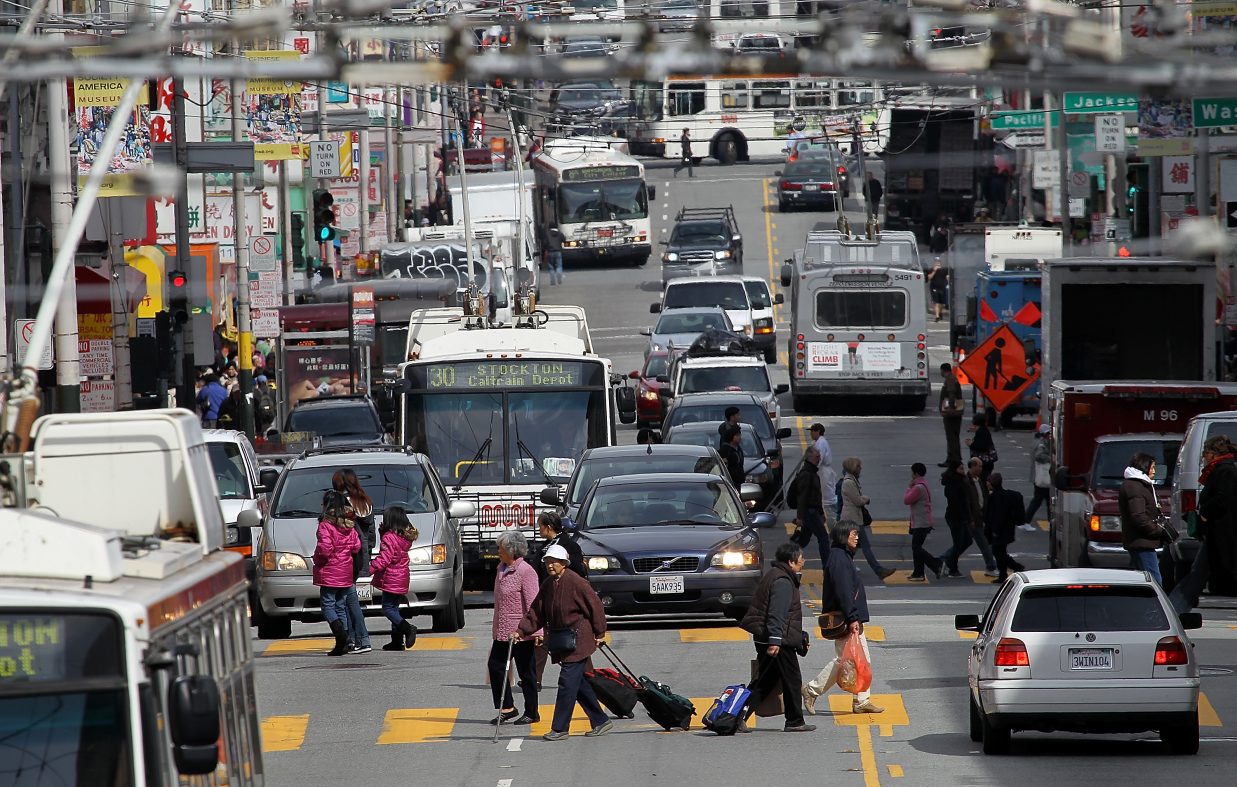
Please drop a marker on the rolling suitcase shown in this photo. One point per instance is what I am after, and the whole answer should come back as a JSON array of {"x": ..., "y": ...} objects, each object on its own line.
[
  {"x": 663, "y": 706},
  {"x": 614, "y": 690},
  {"x": 724, "y": 715}
]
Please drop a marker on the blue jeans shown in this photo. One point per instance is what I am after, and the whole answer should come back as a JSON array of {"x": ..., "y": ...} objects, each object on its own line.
[
  {"x": 556, "y": 267},
  {"x": 390, "y": 608},
  {"x": 356, "y": 619},
  {"x": 334, "y": 603},
  {"x": 1146, "y": 560},
  {"x": 573, "y": 688}
]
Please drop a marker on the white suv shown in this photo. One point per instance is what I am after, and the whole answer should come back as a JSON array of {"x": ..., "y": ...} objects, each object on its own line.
[
  {"x": 711, "y": 373},
  {"x": 724, "y": 292}
]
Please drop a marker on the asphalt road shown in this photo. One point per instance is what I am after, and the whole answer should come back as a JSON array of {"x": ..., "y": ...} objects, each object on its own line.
[{"x": 421, "y": 717}]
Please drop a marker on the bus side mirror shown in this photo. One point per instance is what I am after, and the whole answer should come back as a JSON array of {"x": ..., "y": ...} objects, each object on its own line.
[
  {"x": 193, "y": 721},
  {"x": 788, "y": 272},
  {"x": 625, "y": 401}
]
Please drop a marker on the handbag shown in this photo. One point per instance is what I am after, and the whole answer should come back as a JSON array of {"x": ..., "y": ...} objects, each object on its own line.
[
  {"x": 867, "y": 517},
  {"x": 989, "y": 457},
  {"x": 832, "y": 625},
  {"x": 1170, "y": 534},
  {"x": 560, "y": 642}
]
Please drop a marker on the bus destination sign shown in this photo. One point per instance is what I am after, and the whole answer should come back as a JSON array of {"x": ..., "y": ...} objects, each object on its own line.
[
  {"x": 474, "y": 375},
  {"x": 607, "y": 172},
  {"x": 55, "y": 646}
]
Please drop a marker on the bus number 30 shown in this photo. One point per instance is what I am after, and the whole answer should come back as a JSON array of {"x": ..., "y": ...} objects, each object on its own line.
[{"x": 442, "y": 377}]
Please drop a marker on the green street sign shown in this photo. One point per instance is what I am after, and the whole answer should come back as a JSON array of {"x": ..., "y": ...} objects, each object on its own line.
[
  {"x": 1089, "y": 103},
  {"x": 1212, "y": 112},
  {"x": 1014, "y": 121}
]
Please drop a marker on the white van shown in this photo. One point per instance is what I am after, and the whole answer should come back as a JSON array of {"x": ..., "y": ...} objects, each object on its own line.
[
  {"x": 1185, "y": 478},
  {"x": 725, "y": 292}
]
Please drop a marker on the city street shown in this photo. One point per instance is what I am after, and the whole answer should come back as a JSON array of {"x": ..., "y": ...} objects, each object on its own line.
[{"x": 421, "y": 717}]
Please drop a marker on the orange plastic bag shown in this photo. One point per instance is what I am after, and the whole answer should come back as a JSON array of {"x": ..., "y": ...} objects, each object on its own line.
[{"x": 854, "y": 671}]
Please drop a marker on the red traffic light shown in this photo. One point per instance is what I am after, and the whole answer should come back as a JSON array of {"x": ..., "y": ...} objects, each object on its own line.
[{"x": 177, "y": 279}]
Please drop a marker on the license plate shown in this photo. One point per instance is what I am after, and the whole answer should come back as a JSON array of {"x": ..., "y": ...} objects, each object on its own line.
[
  {"x": 811, "y": 187},
  {"x": 605, "y": 233},
  {"x": 1090, "y": 658},
  {"x": 365, "y": 592},
  {"x": 664, "y": 585}
]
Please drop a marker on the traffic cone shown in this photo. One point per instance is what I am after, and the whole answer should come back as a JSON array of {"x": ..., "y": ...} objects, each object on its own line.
[{"x": 958, "y": 373}]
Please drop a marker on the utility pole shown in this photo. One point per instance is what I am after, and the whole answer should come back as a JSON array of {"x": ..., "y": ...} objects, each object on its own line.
[
  {"x": 391, "y": 112},
  {"x": 123, "y": 374},
  {"x": 285, "y": 230},
  {"x": 364, "y": 176},
  {"x": 459, "y": 152},
  {"x": 240, "y": 240},
  {"x": 186, "y": 371}
]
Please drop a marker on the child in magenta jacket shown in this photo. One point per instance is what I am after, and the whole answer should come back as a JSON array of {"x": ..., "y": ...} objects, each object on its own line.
[
  {"x": 337, "y": 542},
  {"x": 390, "y": 574}
]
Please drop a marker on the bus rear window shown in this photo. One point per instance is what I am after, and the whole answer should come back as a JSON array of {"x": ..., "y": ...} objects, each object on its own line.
[
  {"x": 1089, "y": 608},
  {"x": 857, "y": 308}
]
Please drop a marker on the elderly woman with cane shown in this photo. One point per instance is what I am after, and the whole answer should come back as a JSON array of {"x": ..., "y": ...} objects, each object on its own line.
[{"x": 515, "y": 588}]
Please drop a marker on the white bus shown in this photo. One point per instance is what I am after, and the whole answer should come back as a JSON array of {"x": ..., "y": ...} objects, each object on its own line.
[
  {"x": 858, "y": 318},
  {"x": 736, "y": 118},
  {"x": 505, "y": 412},
  {"x": 591, "y": 200}
]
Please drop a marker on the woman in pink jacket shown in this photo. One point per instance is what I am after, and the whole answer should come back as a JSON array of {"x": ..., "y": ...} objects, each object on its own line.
[
  {"x": 337, "y": 542},
  {"x": 919, "y": 499},
  {"x": 390, "y": 574},
  {"x": 515, "y": 587}
]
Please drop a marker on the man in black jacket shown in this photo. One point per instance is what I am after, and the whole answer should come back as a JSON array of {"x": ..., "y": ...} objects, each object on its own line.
[
  {"x": 775, "y": 621},
  {"x": 809, "y": 505},
  {"x": 731, "y": 450},
  {"x": 685, "y": 154},
  {"x": 1001, "y": 520}
]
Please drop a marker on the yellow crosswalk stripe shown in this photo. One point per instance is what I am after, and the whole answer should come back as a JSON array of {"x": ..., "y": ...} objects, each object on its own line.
[
  {"x": 284, "y": 733},
  {"x": 290, "y": 647},
  {"x": 1207, "y": 716},
  {"x": 874, "y": 633},
  {"x": 579, "y": 722},
  {"x": 900, "y": 577},
  {"x": 417, "y": 725},
  {"x": 443, "y": 643},
  {"x": 979, "y": 578},
  {"x": 894, "y": 715},
  {"x": 697, "y": 636}
]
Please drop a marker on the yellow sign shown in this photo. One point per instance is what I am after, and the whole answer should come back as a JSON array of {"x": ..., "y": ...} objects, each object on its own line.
[
  {"x": 1214, "y": 9},
  {"x": 92, "y": 326},
  {"x": 273, "y": 112},
  {"x": 264, "y": 86},
  {"x": 149, "y": 261},
  {"x": 104, "y": 92}
]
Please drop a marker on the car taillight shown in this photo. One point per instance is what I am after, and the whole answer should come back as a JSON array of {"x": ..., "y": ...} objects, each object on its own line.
[
  {"x": 789, "y": 186},
  {"x": 1013, "y": 653},
  {"x": 1171, "y": 650},
  {"x": 1189, "y": 501},
  {"x": 841, "y": 170}
]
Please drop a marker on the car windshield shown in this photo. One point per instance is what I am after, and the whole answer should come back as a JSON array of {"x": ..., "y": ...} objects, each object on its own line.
[
  {"x": 762, "y": 42},
  {"x": 229, "y": 467},
  {"x": 725, "y": 294},
  {"x": 591, "y": 470},
  {"x": 758, "y": 294},
  {"x": 698, "y": 232},
  {"x": 655, "y": 365},
  {"x": 406, "y": 484},
  {"x": 749, "y": 412},
  {"x": 335, "y": 420},
  {"x": 724, "y": 378},
  {"x": 710, "y": 438},
  {"x": 1089, "y": 608},
  {"x": 665, "y": 504},
  {"x": 610, "y": 200},
  {"x": 588, "y": 94},
  {"x": 1111, "y": 459},
  {"x": 690, "y": 323}
]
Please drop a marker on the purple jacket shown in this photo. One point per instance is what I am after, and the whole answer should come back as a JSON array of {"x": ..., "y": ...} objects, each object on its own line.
[
  {"x": 515, "y": 587},
  {"x": 333, "y": 556},
  {"x": 390, "y": 568}
]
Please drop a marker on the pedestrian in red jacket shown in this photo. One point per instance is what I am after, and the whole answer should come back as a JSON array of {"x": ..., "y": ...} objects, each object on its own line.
[
  {"x": 337, "y": 542},
  {"x": 390, "y": 574}
]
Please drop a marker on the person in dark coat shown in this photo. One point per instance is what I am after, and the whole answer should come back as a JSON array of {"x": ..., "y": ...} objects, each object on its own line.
[
  {"x": 957, "y": 516},
  {"x": 775, "y": 621},
  {"x": 981, "y": 444},
  {"x": 1001, "y": 520},
  {"x": 809, "y": 505},
  {"x": 951, "y": 409},
  {"x": 685, "y": 154},
  {"x": 567, "y": 601},
  {"x": 843, "y": 592},
  {"x": 731, "y": 450},
  {"x": 1216, "y": 530},
  {"x": 1141, "y": 533},
  {"x": 551, "y": 527}
]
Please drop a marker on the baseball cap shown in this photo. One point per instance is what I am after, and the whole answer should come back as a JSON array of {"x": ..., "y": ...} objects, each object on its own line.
[
  {"x": 1044, "y": 429},
  {"x": 556, "y": 552}
]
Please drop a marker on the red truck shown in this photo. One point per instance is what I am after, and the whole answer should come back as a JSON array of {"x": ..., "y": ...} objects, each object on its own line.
[{"x": 1096, "y": 428}]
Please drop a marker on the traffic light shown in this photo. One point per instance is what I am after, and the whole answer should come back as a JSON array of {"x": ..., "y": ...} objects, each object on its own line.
[
  {"x": 178, "y": 296},
  {"x": 298, "y": 241},
  {"x": 324, "y": 216}
]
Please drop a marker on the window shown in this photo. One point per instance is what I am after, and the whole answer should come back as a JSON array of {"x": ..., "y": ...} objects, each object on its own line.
[
  {"x": 813, "y": 94},
  {"x": 749, "y": 413},
  {"x": 335, "y": 421},
  {"x": 669, "y": 504},
  {"x": 686, "y": 98},
  {"x": 726, "y": 295},
  {"x": 548, "y": 431},
  {"x": 850, "y": 93},
  {"x": 770, "y": 95},
  {"x": 758, "y": 294},
  {"x": 724, "y": 378},
  {"x": 1111, "y": 459},
  {"x": 647, "y": 98},
  {"x": 709, "y": 438},
  {"x": 1089, "y": 608},
  {"x": 744, "y": 9},
  {"x": 229, "y": 467},
  {"x": 655, "y": 365},
  {"x": 404, "y": 485},
  {"x": 734, "y": 95},
  {"x": 691, "y": 323},
  {"x": 590, "y": 471},
  {"x": 602, "y": 201},
  {"x": 852, "y": 308}
]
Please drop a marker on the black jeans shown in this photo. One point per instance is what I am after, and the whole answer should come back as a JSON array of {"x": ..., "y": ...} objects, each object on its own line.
[
  {"x": 813, "y": 524},
  {"x": 573, "y": 688},
  {"x": 685, "y": 161},
  {"x": 953, "y": 438},
  {"x": 920, "y": 555},
  {"x": 774, "y": 670},
  {"x": 1004, "y": 562},
  {"x": 960, "y": 531},
  {"x": 1040, "y": 496},
  {"x": 522, "y": 653}
]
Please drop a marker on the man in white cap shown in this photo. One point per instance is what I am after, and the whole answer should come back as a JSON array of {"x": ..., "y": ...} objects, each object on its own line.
[{"x": 1041, "y": 476}]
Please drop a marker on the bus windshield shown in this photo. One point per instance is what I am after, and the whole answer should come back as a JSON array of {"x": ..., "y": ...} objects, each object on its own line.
[
  {"x": 614, "y": 200},
  {"x": 850, "y": 308}
]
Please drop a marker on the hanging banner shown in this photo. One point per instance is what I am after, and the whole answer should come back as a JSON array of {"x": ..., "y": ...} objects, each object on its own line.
[
  {"x": 1165, "y": 128},
  {"x": 94, "y": 104},
  {"x": 273, "y": 112}
]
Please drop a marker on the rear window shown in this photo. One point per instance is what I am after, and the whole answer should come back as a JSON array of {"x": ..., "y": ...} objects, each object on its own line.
[
  {"x": 724, "y": 378},
  {"x": 405, "y": 485},
  {"x": 847, "y": 308},
  {"x": 726, "y": 294},
  {"x": 748, "y": 413},
  {"x": 1089, "y": 608},
  {"x": 335, "y": 420}
]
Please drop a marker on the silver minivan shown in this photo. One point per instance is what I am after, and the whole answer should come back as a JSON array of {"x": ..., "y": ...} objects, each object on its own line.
[{"x": 1185, "y": 481}]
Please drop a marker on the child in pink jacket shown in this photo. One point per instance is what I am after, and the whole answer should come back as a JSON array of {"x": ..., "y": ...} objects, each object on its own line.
[
  {"x": 390, "y": 574},
  {"x": 337, "y": 542}
]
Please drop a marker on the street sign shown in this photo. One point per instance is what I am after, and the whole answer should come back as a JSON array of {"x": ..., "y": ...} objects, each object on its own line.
[
  {"x": 262, "y": 254},
  {"x": 1046, "y": 172},
  {"x": 1213, "y": 112},
  {"x": 1024, "y": 139},
  {"x": 363, "y": 319},
  {"x": 1014, "y": 121},
  {"x": 1109, "y": 134},
  {"x": 22, "y": 331},
  {"x": 1091, "y": 103},
  {"x": 324, "y": 159},
  {"x": 1079, "y": 183},
  {"x": 1000, "y": 368}
]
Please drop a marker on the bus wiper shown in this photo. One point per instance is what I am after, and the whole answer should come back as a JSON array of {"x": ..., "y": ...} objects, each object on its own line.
[
  {"x": 524, "y": 449},
  {"x": 481, "y": 450}
]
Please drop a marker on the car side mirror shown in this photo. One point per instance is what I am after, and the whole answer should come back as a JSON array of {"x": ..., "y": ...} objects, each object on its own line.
[
  {"x": 966, "y": 622},
  {"x": 551, "y": 496},
  {"x": 777, "y": 173},
  {"x": 654, "y": 308},
  {"x": 635, "y": 375},
  {"x": 193, "y": 723},
  {"x": 783, "y": 433},
  {"x": 780, "y": 389},
  {"x": 646, "y": 331},
  {"x": 737, "y": 238},
  {"x": 661, "y": 378},
  {"x": 1191, "y": 620},
  {"x": 268, "y": 477},
  {"x": 461, "y": 509},
  {"x": 778, "y": 299},
  {"x": 750, "y": 492},
  {"x": 250, "y": 517},
  {"x": 762, "y": 519}
]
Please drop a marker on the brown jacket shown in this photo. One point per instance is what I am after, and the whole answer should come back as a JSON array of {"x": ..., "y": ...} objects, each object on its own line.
[
  {"x": 567, "y": 602},
  {"x": 1139, "y": 514}
]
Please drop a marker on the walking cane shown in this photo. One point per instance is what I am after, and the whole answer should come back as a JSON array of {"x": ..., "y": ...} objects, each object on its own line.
[{"x": 499, "y": 705}]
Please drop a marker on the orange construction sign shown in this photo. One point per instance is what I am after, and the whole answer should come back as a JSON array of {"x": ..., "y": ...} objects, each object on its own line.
[{"x": 1000, "y": 368}]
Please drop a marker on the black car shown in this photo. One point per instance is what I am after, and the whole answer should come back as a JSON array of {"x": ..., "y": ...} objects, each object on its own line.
[
  {"x": 671, "y": 543},
  {"x": 585, "y": 97},
  {"x": 613, "y": 460},
  {"x": 704, "y": 242},
  {"x": 809, "y": 183},
  {"x": 337, "y": 420},
  {"x": 711, "y": 407}
]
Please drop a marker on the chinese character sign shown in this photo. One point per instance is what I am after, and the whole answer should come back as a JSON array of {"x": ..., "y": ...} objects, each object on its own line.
[
  {"x": 320, "y": 371},
  {"x": 1178, "y": 174}
]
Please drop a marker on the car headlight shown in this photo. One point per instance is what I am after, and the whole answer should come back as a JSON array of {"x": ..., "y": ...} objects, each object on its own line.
[
  {"x": 747, "y": 330},
  {"x": 670, "y": 256},
  {"x": 721, "y": 255},
  {"x": 433, "y": 555},
  {"x": 651, "y": 396},
  {"x": 283, "y": 561},
  {"x": 734, "y": 559},
  {"x": 656, "y": 347},
  {"x": 1107, "y": 524},
  {"x": 601, "y": 563},
  {"x": 231, "y": 535}
]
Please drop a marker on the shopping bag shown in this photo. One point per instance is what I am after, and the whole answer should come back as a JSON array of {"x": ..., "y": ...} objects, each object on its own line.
[
  {"x": 771, "y": 703},
  {"x": 854, "y": 671}
]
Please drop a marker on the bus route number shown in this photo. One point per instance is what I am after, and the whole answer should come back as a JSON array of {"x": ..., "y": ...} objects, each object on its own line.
[{"x": 442, "y": 377}]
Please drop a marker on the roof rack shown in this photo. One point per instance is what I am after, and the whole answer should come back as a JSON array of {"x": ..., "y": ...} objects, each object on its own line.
[
  {"x": 358, "y": 449},
  {"x": 686, "y": 213}
]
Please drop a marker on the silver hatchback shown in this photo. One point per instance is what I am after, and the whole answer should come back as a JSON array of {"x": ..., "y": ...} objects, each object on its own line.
[{"x": 1082, "y": 650}]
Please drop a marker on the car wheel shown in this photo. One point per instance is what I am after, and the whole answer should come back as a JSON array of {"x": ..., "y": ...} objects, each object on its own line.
[
  {"x": 996, "y": 739},
  {"x": 459, "y": 609},
  {"x": 781, "y": 206},
  {"x": 448, "y": 619},
  {"x": 977, "y": 724},
  {"x": 771, "y": 354},
  {"x": 271, "y": 627},
  {"x": 1182, "y": 738}
]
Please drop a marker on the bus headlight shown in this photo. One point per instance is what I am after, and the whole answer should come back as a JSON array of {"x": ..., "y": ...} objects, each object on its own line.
[
  {"x": 433, "y": 555},
  {"x": 733, "y": 559},
  {"x": 283, "y": 561}
]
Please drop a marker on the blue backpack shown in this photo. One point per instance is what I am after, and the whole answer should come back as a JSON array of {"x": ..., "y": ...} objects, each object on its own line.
[{"x": 724, "y": 715}]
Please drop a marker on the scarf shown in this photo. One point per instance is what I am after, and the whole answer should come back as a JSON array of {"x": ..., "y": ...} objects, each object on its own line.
[
  {"x": 1203, "y": 476},
  {"x": 1138, "y": 475}
]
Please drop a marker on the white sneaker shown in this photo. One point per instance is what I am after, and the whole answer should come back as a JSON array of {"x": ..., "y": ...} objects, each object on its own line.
[
  {"x": 991, "y": 573},
  {"x": 809, "y": 700},
  {"x": 1028, "y": 527}
]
